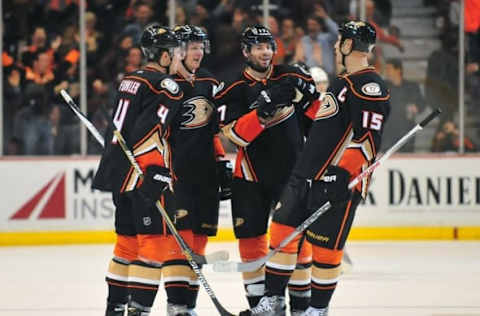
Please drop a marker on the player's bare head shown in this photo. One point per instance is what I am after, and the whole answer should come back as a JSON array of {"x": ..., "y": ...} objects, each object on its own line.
[
  {"x": 258, "y": 47},
  {"x": 158, "y": 44},
  {"x": 195, "y": 42},
  {"x": 356, "y": 37}
]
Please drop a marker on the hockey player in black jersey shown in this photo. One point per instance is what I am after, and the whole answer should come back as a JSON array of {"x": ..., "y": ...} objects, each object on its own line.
[
  {"x": 197, "y": 154},
  {"x": 343, "y": 141},
  {"x": 263, "y": 112},
  {"x": 147, "y": 102}
]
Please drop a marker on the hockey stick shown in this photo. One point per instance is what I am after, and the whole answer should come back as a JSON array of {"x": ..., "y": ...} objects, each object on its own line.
[
  {"x": 185, "y": 249},
  {"x": 200, "y": 259},
  {"x": 230, "y": 266}
]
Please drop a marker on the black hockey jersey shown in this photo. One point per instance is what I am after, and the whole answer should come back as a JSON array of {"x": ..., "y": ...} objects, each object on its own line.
[
  {"x": 266, "y": 153},
  {"x": 348, "y": 126},
  {"x": 195, "y": 145},
  {"x": 146, "y": 103}
]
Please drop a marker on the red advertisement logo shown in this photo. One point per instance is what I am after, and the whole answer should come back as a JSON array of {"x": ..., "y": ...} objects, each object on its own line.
[{"x": 48, "y": 202}]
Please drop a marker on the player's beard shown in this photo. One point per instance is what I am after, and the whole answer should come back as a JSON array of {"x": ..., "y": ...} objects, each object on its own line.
[{"x": 257, "y": 67}]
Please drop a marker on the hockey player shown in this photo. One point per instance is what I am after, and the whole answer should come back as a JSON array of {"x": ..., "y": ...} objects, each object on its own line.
[
  {"x": 146, "y": 104},
  {"x": 197, "y": 162},
  {"x": 261, "y": 113},
  {"x": 352, "y": 116}
]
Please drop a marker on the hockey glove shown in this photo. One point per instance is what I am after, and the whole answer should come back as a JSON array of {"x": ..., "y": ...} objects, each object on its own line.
[
  {"x": 306, "y": 88},
  {"x": 332, "y": 187},
  {"x": 225, "y": 175},
  {"x": 277, "y": 96},
  {"x": 156, "y": 179}
]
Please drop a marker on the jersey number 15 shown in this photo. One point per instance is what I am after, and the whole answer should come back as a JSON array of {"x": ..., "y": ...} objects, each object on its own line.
[{"x": 372, "y": 120}]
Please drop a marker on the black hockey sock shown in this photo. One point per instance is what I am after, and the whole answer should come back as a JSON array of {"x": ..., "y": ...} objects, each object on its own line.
[
  {"x": 176, "y": 278},
  {"x": 144, "y": 279},
  {"x": 324, "y": 282},
  {"x": 116, "y": 279},
  {"x": 299, "y": 287},
  {"x": 277, "y": 273},
  {"x": 192, "y": 296}
]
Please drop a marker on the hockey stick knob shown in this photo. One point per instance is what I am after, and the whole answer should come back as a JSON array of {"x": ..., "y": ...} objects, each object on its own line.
[{"x": 430, "y": 117}]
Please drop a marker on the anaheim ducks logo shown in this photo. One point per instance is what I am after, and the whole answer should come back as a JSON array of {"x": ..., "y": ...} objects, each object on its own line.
[
  {"x": 197, "y": 114},
  {"x": 239, "y": 221},
  {"x": 181, "y": 214},
  {"x": 328, "y": 108}
]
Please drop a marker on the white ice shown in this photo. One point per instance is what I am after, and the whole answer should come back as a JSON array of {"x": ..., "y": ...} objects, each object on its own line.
[{"x": 388, "y": 279}]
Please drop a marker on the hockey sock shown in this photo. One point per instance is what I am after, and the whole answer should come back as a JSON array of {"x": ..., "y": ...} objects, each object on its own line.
[
  {"x": 144, "y": 279},
  {"x": 176, "y": 278},
  {"x": 117, "y": 281},
  {"x": 324, "y": 282},
  {"x": 326, "y": 270},
  {"x": 199, "y": 245},
  {"x": 299, "y": 287},
  {"x": 254, "y": 282}
]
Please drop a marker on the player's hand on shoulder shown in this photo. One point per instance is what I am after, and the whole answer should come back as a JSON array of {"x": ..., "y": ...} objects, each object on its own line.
[{"x": 156, "y": 180}]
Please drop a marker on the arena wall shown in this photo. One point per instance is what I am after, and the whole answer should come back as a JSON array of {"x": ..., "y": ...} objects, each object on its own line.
[{"x": 49, "y": 201}]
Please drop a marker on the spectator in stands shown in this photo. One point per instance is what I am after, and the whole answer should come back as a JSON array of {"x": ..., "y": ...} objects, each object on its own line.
[
  {"x": 405, "y": 103},
  {"x": 316, "y": 48},
  {"x": 382, "y": 36},
  {"x": 14, "y": 146},
  {"x": 40, "y": 73},
  {"x": 36, "y": 127},
  {"x": 38, "y": 43},
  {"x": 289, "y": 39},
  {"x": 279, "y": 56},
  {"x": 112, "y": 63},
  {"x": 447, "y": 138},
  {"x": 13, "y": 98},
  {"x": 94, "y": 39},
  {"x": 143, "y": 13},
  {"x": 441, "y": 82}
]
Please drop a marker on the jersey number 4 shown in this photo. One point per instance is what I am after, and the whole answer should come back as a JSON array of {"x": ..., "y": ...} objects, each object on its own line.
[
  {"x": 119, "y": 117},
  {"x": 372, "y": 120}
]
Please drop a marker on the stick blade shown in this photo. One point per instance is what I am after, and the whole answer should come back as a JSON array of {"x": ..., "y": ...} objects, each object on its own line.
[
  {"x": 225, "y": 266},
  {"x": 216, "y": 256}
]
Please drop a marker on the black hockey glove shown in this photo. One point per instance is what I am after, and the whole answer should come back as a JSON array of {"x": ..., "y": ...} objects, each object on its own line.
[
  {"x": 332, "y": 187},
  {"x": 306, "y": 88},
  {"x": 225, "y": 175},
  {"x": 156, "y": 179},
  {"x": 277, "y": 96}
]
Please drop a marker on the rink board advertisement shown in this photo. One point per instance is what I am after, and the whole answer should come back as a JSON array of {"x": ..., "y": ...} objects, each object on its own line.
[{"x": 44, "y": 195}]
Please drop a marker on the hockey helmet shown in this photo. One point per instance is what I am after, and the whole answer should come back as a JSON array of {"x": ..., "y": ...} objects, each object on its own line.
[
  {"x": 362, "y": 33},
  {"x": 192, "y": 33},
  {"x": 157, "y": 39},
  {"x": 318, "y": 74},
  {"x": 257, "y": 34}
]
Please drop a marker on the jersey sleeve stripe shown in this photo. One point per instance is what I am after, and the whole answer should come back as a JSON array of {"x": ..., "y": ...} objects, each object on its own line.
[
  {"x": 231, "y": 135},
  {"x": 292, "y": 74}
]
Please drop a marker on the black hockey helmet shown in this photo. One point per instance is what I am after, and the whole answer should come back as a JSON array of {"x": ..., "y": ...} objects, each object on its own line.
[
  {"x": 192, "y": 33},
  {"x": 157, "y": 39},
  {"x": 362, "y": 33},
  {"x": 257, "y": 34}
]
